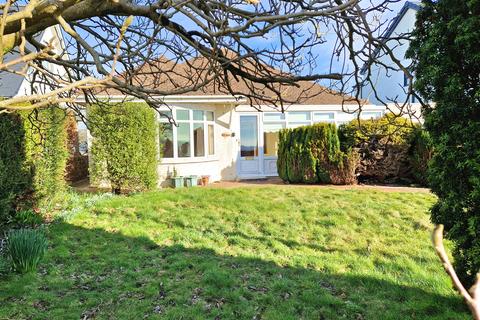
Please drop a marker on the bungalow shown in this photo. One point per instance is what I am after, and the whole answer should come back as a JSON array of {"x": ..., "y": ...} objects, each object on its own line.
[
  {"x": 227, "y": 137},
  {"x": 232, "y": 137}
]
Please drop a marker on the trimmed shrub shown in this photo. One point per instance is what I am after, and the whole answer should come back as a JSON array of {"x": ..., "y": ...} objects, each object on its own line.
[
  {"x": 312, "y": 154},
  {"x": 32, "y": 159},
  {"x": 383, "y": 146},
  {"x": 124, "y": 149},
  {"x": 25, "y": 249},
  {"x": 389, "y": 149},
  {"x": 14, "y": 178},
  {"x": 46, "y": 149}
]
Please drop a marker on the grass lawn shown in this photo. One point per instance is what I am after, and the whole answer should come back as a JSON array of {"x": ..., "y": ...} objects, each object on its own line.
[{"x": 247, "y": 253}]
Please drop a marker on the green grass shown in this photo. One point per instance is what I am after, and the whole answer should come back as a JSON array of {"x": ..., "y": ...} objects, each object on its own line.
[{"x": 257, "y": 253}]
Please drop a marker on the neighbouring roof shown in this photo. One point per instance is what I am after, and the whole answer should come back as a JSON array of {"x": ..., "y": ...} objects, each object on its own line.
[
  {"x": 408, "y": 5},
  {"x": 173, "y": 77},
  {"x": 10, "y": 83},
  {"x": 414, "y": 5}
]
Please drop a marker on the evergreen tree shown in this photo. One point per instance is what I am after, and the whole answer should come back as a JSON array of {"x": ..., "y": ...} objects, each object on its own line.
[{"x": 446, "y": 54}]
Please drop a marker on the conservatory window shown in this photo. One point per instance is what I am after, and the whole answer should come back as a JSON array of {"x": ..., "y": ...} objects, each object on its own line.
[{"x": 192, "y": 136}]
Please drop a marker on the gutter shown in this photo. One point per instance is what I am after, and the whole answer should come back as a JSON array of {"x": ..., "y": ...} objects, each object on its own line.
[{"x": 216, "y": 99}]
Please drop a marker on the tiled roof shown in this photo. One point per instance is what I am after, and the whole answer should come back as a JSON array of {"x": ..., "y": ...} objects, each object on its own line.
[{"x": 197, "y": 75}]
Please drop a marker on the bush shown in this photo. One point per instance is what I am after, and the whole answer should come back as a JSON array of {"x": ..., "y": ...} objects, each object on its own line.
[
  {"x": 124, "y": 149},
  {"x": 14, "y": 178},
  {"x": 32, "y": 159},
  {"x": 384, "y": 148},
  {"x": 387, "y": 149},
  {"x": 312, "y": 154},
  {"x": 46, "y": 149},
  {"x": 25, "y": 249}
]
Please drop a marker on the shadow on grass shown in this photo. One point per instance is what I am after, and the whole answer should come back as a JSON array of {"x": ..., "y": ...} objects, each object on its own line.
[{"x": 91, "y": 273}]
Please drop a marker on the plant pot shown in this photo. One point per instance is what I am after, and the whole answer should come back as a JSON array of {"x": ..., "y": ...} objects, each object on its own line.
[
  {"x": 205, "y": 180},
  {"x": 191, "y": 181},
  {"x": 177, "y": 182}
]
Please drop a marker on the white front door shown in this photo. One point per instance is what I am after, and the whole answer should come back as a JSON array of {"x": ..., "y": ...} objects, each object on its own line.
[{"x": 250, "y": 164}]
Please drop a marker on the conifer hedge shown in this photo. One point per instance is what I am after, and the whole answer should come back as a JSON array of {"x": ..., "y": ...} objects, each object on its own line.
[
  {"x": 33, "y": 154},
  {"x": 312, "y": 154},
  {"x": 125, "y": 148},
  {"x": 389, "y": 149}
]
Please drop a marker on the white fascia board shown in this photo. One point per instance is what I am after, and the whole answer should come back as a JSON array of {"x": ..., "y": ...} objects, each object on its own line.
[
  {"x": 313, "y": 107},
  {"x": 173, "y": 99}
]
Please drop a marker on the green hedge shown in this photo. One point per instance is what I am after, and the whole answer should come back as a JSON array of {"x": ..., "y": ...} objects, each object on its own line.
[
  {"x": 46, "y": 149},
  {"x": 383, "y": 145},
  {"x": 124, "y": 150},
  {"x": 389, "y": 149},
  {"x": 33, "y": 154},
  {"x": 14, "y": 178},
  {"x": 312, "y": 154}
]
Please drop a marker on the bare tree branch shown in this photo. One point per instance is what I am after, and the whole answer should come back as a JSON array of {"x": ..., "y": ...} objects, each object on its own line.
[{"x": 472, "y": 298}]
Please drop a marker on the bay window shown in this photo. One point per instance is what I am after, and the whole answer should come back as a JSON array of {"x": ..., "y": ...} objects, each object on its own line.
[{"x": 192, "y": 136}]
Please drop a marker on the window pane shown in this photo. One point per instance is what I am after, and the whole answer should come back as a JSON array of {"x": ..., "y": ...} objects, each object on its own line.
[
  {"x": 371, "y": 115},
  {"x": 166, "y": 140},
  {"x": 273, "y": 127},
  {"x": 324, "y": 116},
  {"x": 209, "y": 115},
  {"x": 273, "y": 116},
  {"x": 270, "y": 138},
  {"x": 165, "y": 115},
  {"x": 211, "y": 145},
  {"x": 198, "y": 140},
  {"x": 197, "y": 115},
  {"x": 298, "y": 116},
  {"x": 183, "y": 114},
  {"x": 183, "y": 139},
  {"x": 248, "y": 136}
]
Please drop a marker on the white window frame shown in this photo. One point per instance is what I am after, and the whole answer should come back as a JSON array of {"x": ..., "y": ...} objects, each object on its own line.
[
  {"x": 289, "y": 122},
  {"x": 191, "y": 122}
]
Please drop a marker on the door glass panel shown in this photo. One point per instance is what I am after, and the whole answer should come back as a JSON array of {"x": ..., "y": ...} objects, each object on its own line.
[
  {"x": 183, "y": 140},
  {"x": 248, "y": 136},
  {"x": 211, "y": 146},
  {"x": 198, "y": 140},
  {"x": 270, "y": 138}
]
